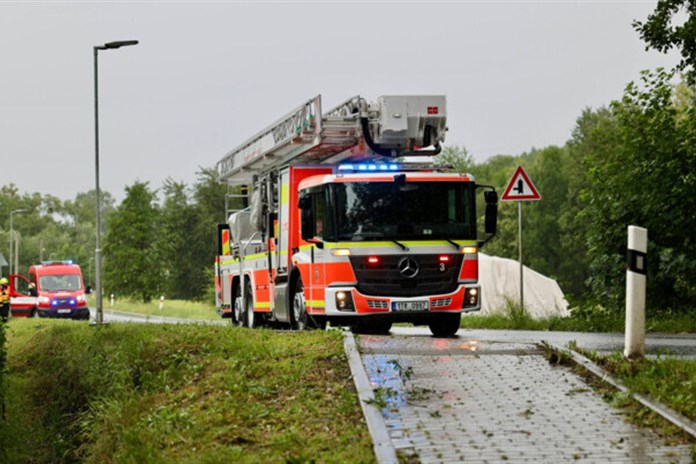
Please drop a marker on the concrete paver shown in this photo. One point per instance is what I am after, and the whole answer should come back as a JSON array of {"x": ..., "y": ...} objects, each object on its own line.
[{"x": 465, "y": 400}]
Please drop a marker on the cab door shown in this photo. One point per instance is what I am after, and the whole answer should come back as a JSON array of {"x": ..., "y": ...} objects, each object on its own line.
[{"x": 22, "y": 303}]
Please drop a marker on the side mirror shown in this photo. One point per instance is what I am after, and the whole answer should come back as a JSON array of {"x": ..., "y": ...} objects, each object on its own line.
[
  {"x": 307, "y": 220},
  {"x": 88, "y": 290},
  {"x": 491, "y": 221},
  {"x": 491, "y": 197},
  {"x": 305, "y": 202}
]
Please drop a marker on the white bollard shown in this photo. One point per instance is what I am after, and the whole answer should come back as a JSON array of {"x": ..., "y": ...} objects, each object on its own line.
[
  {"x": 161, "y": 302},
  {"x": 636, "y": 267},
  {"x": 111, "y": 300}
]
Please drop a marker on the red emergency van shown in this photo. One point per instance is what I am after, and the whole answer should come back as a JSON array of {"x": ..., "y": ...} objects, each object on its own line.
[{"x": 51, "y": 289}]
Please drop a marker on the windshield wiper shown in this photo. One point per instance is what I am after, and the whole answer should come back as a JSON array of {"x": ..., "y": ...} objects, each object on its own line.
[
  {"x": 403, "y": 247},
  {"x": 456, "y": 245}
]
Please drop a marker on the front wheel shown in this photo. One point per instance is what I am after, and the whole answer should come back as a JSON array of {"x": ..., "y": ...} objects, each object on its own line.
[{"x": 445, "y": 325}]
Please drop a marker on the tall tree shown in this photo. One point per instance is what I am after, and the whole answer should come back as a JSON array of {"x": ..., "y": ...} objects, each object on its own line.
[
  {"x": 663, "y": 31},
  {"x": 209, "y": 200},
  {"x": 132, "y": 266},
  {"x": 641, "y": 172},
  {"x": 174, "y": 242}
]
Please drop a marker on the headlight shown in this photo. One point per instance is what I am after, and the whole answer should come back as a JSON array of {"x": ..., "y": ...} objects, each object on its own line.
[
  {"x": 344, "y": 301},
  {"x": 44, "y": 299},
  {"x": 471, "y": 297},
  {"x": 81, "y": 298}
]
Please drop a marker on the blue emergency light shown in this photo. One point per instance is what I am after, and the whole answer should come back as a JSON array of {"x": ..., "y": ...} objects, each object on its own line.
[{"x": 372, "y": 167}]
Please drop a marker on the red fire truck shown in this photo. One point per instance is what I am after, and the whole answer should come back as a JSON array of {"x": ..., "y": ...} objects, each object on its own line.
[
  {"x": 343, "y": 227},
  {"x": 52, "y": 289}
]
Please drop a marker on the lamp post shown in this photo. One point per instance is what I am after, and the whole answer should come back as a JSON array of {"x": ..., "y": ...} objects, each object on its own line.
[
  {"x": 97, "y": 251},
  {"x": 12, "y": 213},
  {"x": 90, "y": 271}
]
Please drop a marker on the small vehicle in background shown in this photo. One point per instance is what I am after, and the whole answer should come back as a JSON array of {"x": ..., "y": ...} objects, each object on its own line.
[{"x": 51, "y": 289}]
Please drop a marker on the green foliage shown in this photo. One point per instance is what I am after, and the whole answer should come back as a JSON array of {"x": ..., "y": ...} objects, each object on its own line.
[
  {"x": 456, "y": 156},
  {"x": 641, "y": 164},
  {"x": 184, "y": 393},
  {"x": 663, "y": 31},
  {"x": 173, "y": 242},
  {"x": 133, "y": 266}
]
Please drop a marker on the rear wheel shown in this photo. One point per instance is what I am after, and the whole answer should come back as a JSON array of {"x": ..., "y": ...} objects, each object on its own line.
[
  {"x": 238, "y": 308},
  {"x": 250, "y": 319},
  {"x": 299, "y": 307},
  {"x": 445, "y": 325}
]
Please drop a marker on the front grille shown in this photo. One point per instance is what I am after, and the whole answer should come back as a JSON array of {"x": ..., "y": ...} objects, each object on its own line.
[
  {"x": 441, "y": 303},
  {"x": 383, "y": 278},
  {"x": 377, "y": 304},
  {"x": 62, "y": 303}
]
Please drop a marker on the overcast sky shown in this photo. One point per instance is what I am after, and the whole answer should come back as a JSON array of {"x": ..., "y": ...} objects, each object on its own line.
[{"x": 207, "y": 76}]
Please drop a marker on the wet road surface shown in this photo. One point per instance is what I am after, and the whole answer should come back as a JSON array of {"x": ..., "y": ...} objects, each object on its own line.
[{"x": 491, "y": 397}]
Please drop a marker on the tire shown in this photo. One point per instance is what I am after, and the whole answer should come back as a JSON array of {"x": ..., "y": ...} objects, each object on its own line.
[
  {"x": 445, "y": 325},
  {"x": 238, "y": 310},
  {"x": 34, "y": 313},
  {"x": 249, "y": 317},
  {"x": 299, "y": 318}
]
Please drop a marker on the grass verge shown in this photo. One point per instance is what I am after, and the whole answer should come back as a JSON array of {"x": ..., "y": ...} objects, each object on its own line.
[
  {"x": 512, "y": 317},
  {"x": 178, "y": 393},
  {"x": 670, "y": 381},
  {"x": 171, "y": 308}
]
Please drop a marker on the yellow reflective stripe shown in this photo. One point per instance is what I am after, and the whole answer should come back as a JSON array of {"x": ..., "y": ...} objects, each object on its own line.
[
  {"x": 229, "y": 261},
  {"x": 285, "y": 194},
  {"x": 316, "y": 303},
  {"x": 262, "y": 304}
]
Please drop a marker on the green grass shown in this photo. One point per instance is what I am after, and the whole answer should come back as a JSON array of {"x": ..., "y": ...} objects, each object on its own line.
[
  {"x": 171, "y": 308},
  {"x": 669, "y": 380},
  {"x": 178, "y": 393},
  {"x": 512, "y": 317}
]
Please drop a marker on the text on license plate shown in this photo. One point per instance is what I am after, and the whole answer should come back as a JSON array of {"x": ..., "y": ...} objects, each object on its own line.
[
  {"x": 421, "y": 305},
  {"x": 63, "y": 311}
]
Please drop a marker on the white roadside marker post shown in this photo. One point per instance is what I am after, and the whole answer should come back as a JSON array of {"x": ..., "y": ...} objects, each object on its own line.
[{"x": 636, "y": 268}]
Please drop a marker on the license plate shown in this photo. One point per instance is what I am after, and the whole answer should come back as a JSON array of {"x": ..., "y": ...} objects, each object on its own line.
[
  {"x": 63, "y": 311},
  {"x": 421, "y": 305}
]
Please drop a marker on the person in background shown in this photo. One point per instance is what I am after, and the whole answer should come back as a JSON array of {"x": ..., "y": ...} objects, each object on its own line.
[{"x": 4, "y": 299}]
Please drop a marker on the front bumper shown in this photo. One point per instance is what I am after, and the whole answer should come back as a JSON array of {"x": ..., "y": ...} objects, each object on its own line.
[
  {"x": 459, "y": 301},
  {"x": 65, "y": 313}
]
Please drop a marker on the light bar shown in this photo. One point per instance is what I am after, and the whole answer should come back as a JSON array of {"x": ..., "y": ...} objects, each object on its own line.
[{"x": 369, "y": 167}]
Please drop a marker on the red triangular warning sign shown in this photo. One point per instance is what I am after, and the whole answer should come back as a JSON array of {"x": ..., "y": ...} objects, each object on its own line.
[{"x": 520, "y": 188}]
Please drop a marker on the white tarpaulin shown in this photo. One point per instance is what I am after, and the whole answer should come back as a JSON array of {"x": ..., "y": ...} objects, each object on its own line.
[{"x": 500, "y": 284}]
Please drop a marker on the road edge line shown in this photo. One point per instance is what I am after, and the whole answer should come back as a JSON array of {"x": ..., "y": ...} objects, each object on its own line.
[{"x": 381, "y": 441}]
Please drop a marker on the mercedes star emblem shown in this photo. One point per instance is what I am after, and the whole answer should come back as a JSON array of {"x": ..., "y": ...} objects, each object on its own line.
[{"x": 408, "y": 268}]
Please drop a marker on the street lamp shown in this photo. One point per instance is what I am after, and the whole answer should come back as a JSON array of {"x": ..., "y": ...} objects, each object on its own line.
[
  {"x": 12, "y": 213},
  {"x": 97, "y": 251}
]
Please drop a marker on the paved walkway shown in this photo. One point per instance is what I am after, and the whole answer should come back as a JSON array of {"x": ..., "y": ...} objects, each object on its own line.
[{"x": 475, "y": 401}]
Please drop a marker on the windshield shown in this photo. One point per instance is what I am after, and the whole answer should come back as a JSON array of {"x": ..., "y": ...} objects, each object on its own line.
[
  {"x": 415, "y": 211},
  {"x": 60, "y": 282}
]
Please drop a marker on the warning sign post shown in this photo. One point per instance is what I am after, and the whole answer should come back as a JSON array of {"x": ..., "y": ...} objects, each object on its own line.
[{"x": 519, "y": 189}]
